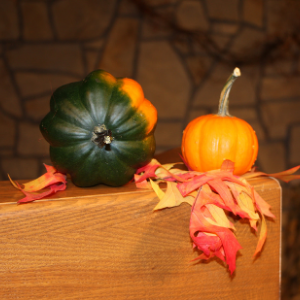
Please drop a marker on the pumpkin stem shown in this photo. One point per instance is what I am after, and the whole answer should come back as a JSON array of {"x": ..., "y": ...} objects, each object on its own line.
[
  {"x": 224, "y": 97},
  {"x": 102, "y": 136}
]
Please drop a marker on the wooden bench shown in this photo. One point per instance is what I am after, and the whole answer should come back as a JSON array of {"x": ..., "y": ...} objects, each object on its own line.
[{"x": 107, "y": 243}]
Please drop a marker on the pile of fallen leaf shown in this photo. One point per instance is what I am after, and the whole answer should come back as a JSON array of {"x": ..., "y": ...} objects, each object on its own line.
[{"x": 211, "y": 195}]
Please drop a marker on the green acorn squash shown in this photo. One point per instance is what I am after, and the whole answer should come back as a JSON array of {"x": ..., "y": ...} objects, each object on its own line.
[{"x": 100, "y": 130}]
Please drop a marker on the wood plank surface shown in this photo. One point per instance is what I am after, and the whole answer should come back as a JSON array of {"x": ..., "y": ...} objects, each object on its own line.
[{"x": 107, "y": 243}]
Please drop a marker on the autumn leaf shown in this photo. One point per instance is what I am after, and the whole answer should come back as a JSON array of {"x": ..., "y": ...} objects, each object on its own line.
[
  {"x": 212, "y": 194},
  {"x": 172, "y": 197},
  {"x": 222, "y": 243},
  {"x": 227, "y": 165},
  {"x": 148, "y": 171},
  {"x": 286, "y": 176},
  {"x": 54, "y": 180},
  {"x": 159, "y": 192},
  {"x": 141, "y": 184}
]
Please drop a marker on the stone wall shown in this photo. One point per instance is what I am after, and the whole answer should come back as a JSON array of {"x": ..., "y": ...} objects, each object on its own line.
[{"x": 181, "y": 51}]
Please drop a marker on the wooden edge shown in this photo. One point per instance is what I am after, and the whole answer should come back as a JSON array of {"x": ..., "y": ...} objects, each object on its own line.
[
  {"x": 10, "y": 195},
  {"x": 280, "y": 235}
]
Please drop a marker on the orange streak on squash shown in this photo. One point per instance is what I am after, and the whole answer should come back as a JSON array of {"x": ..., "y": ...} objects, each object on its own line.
[
  {"x": 134, "y": 90},
  {"x": 143, "y": 106},
  {"x": 148, "y": 112}
]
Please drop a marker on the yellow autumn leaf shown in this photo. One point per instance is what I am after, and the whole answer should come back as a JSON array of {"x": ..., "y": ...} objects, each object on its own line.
[
  {"x": 172, "y": 197},
  {"x": 219, "y": 217},
  {"x": 158, "y": 191}
]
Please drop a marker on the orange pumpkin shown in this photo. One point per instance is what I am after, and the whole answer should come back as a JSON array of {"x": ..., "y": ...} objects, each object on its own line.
[{"x": 210, "y": 139}]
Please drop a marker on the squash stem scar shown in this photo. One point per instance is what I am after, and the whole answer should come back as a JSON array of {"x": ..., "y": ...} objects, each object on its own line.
[{"x": 102, "y": 136}]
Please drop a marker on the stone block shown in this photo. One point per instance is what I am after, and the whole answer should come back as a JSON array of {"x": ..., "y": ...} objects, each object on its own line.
[
  {"x": 96, "y": 44},
  {"x": 127, "y": 7},
  {"x": 154, "y": 28},
  {"x": 119, "y": 51},
  {"x": 277, "y": 116},
  {"x": 163, "y": 79},
  {"x": 91, "y": 59},
  {"x": 159, "y": 2},
  {"x": 5, "y": 152},
  {"x": 195, "y": 113},
  {"x": 37, "y": 108},
  {"x": 253, "y": 12},
  {"x": 248, "y": 42},
  {"x": 279, "y": 67},
  {"x": 54, "y": 57},
  {"x": 294, "y": 147},
  {"x": 9, "y": 23},
  {"x": 190, "y": 16},
  {"x": 271, "y": 157},
  {"x": 246, "y": 113},
  {"x": 30, "y": 140},
  {"x": 7, "y": 131},
  {"x": 32, "y": 84},
  {"x": 20, "y": 168},
  {"x": 242, "y": 92},
  {"x": 217, "y": 9},
  {"x": 198, "y": 66},
  {"x": 168, "y": 134},
  {"x": 225, "y": 28},
  {"x": 221, "y": 41},
  {"x": 181, "y": 44},
  {"x": 82, "y": 20},
  {"x": 9, "y": 100},
  {"x": 36, "y": 24},
  {"x": 275, "y": 11},
  {"x": 280, "y": 87}
]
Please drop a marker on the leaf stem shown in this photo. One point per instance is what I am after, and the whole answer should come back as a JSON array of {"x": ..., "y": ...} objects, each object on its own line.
[{"x": 224, "y": 97}]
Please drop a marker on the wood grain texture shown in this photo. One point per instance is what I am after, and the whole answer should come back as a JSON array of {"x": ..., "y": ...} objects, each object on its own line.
[{"x": 107, "y": 243}]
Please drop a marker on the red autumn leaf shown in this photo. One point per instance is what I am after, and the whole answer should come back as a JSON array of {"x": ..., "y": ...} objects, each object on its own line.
[
  {"x": 54, "y": 188},
  {"x": 155, "y": 170},
  {"x": 54, "y": 180},
  {"x": 148, "y": 172},
  {"x": 197, "y": 181},
  {"x": 199, "y": 223}
]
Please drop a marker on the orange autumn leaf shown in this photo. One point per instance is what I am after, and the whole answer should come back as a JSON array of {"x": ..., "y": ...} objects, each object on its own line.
[
  {"x": 141, "y": 184},
  {"x": 54, "y": 180},
  {"x": 262, "y": 235},
  {"x": 286, "y": 175}
]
